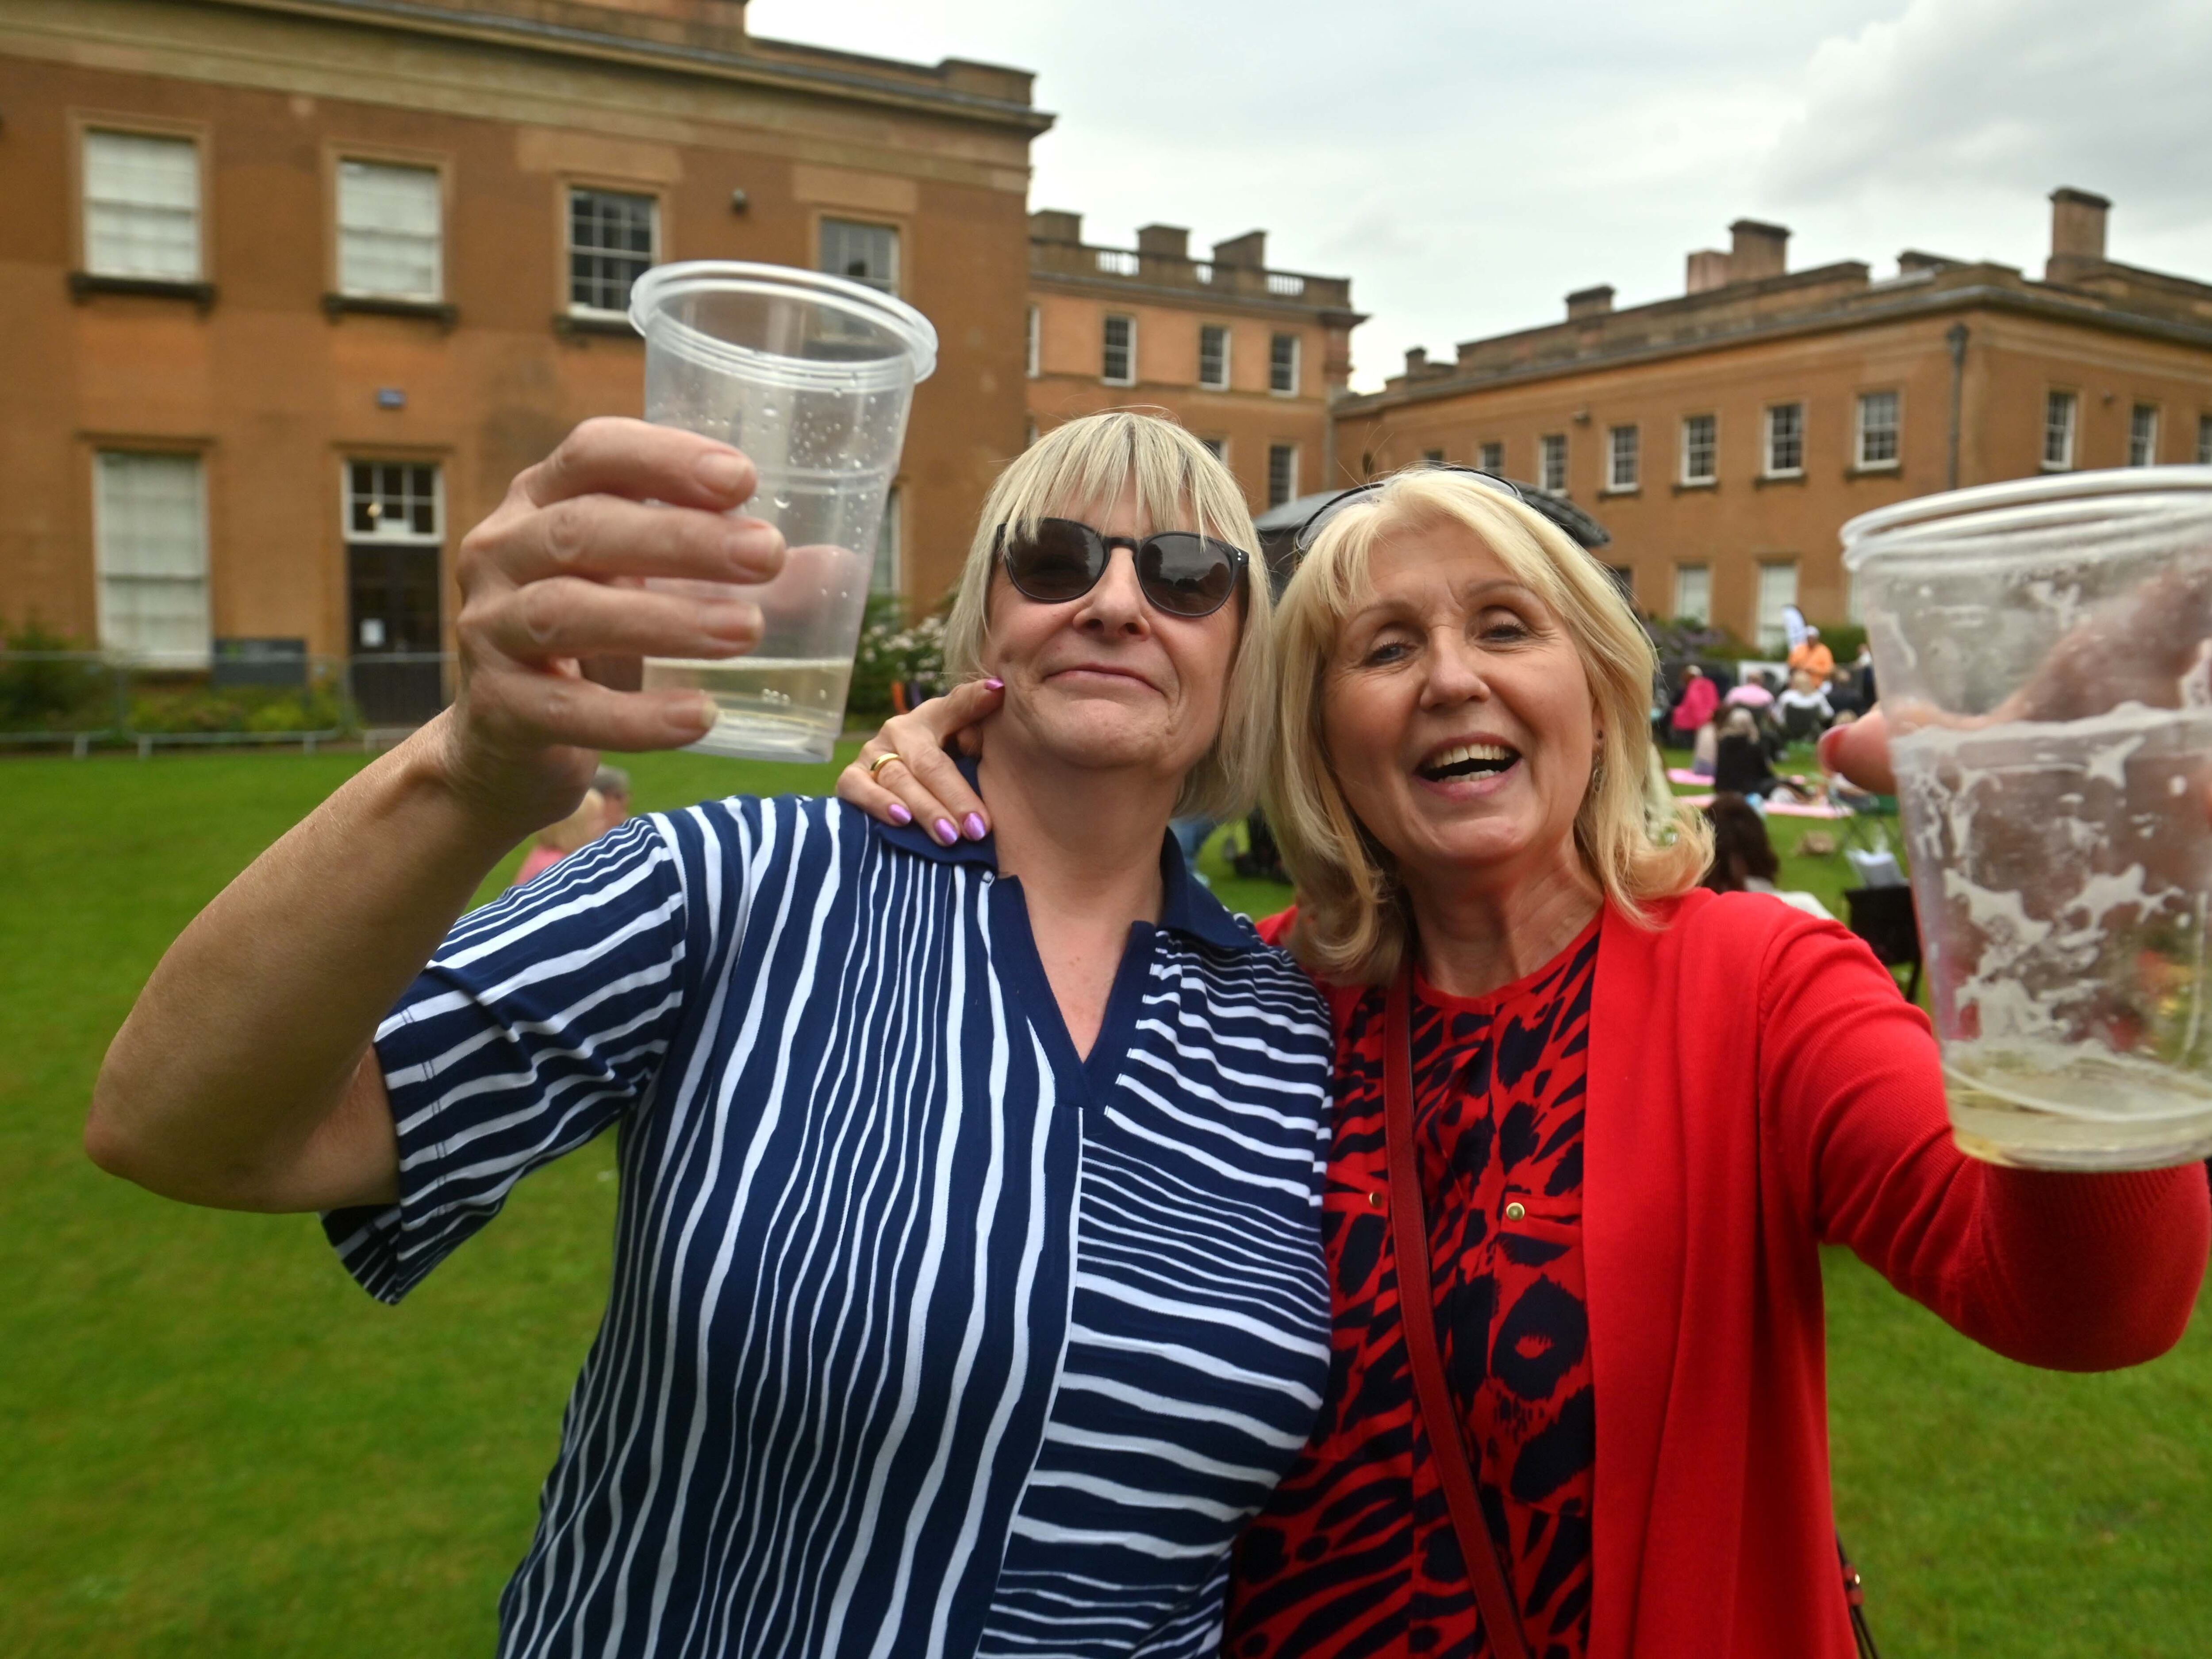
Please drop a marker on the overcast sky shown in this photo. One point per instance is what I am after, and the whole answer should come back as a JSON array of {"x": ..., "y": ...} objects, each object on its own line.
[{"x": 1467, "y": 163}]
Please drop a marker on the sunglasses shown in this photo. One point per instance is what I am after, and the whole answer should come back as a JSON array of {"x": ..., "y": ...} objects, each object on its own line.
[
  {"x": 1303, "y": 540},
  {"x": 1179, "y": 572}
]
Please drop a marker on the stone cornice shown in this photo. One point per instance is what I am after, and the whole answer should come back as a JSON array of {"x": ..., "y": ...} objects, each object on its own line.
[
  {"x": 1132, "y": 291},
  {"x": 2032, "y": 302},
  {"x": 758, "y": 70}
]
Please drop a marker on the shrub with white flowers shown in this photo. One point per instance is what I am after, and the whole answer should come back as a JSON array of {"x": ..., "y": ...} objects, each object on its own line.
[{"x": 893, "y": 648}]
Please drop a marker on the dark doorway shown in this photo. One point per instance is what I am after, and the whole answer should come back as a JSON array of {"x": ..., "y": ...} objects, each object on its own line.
[
  {"x": 399, "y": 676},
  {"x": 395, "y": 524}
]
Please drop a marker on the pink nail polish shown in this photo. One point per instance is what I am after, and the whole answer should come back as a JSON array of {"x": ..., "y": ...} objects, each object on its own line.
[
  {"x": 945, "y": 832},
  {"x": 995, "y": 685},
  {"x": 899, "y": 815},
  {"x": 976, "y": 828}
]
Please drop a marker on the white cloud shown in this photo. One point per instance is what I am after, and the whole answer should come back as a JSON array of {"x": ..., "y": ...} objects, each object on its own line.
[
  {"x": 2011, "y": 95},
  {"x": 1468, "y": 164}
]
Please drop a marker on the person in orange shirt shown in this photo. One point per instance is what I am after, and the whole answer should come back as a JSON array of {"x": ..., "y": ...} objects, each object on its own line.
[{"x": 1815, "y": 658}]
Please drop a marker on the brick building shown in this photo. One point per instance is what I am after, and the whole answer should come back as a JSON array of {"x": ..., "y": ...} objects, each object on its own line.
[
  {"x": 1247, "y": 358},
  {"x": 1725, "y": 435},
  {"x": 295, "y": 287}
]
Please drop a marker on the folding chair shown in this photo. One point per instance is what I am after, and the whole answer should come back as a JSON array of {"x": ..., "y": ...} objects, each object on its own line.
[{"x": 1862, "y": 825}]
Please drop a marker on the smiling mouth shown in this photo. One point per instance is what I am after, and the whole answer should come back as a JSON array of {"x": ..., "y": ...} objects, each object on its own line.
[
  {"x": 1467, "y": 760},
  {"x": 1100, "y": 671}
]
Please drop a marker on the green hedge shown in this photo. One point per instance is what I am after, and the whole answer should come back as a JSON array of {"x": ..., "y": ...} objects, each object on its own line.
[
  {"x": 197, "y": 707},
  {"x": 53, "y": 696}
]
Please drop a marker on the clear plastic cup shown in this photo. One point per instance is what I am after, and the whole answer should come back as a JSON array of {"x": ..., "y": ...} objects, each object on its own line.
[
  {"x": 2045, "y": 655},
  {"x": 813, "y": 377}
]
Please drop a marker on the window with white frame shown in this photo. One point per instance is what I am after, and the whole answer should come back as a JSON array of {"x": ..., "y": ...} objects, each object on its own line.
[
  {"x": 1624, "y": 457},
  {"x": 1217, "y": 448},
  {"x": 613, "y": 239},
  {"x": 1282, "y": 473},
  {"x": 1777, "y": 587},
  {"x": 887, "y": 578},
  {"x": 1493, "y": 457},
  {"x": 1551, "y": 462},
  {"x": 1033, "y": 349},
  {"x": 2142, "y": 435},
  {"x": 1879, "y": 429},
  {"x": 1283, "y": 365},
  {"x": 2059, "y": 408},
  {"x": 1700, "y": 449},
  {"x": 863, "y": 253},
  {"x": 393, "y": 501},
  {"x": 1117, "y": 361},
  {"x": 1214, "y": 357},
  {"x": 141, "y": 206},
  {"x": 1785, "y": 440},
  {"x": 1694, "y": 593},
  {"x": 1433, "y": 457},
  {"x": 2204, "y": 440},
  {"x": 149, "y": 526},
  {"x": 391, "y": 229}
]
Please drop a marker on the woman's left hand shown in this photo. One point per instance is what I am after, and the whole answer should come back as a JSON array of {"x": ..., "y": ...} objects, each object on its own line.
[{"x": 918, "y": 784}]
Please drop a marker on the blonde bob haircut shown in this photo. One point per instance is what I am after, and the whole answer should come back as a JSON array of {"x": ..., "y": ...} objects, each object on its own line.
[
  {"x": 1087, "y": 467},
  {"x": 1354, "y": 924}
]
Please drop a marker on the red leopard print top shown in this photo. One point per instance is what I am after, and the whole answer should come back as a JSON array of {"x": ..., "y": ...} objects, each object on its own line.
[{"x": 1355, "y": 1553}]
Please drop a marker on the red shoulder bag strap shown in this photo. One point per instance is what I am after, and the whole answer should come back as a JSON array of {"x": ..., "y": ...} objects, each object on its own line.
[{"x": 1417, "y": 1312}]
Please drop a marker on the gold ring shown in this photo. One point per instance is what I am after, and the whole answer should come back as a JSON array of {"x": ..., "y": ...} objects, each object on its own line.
[{"x": 881, "y": 761}]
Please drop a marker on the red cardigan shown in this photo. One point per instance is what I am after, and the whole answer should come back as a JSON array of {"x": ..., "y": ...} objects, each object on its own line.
[{"x": 1758, "y": 1088}]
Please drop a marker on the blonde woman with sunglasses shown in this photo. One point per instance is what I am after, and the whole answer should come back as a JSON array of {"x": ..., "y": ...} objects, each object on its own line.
[{"x": 968, "y": 1288}]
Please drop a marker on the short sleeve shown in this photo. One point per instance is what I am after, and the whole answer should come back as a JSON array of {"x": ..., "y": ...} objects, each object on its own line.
[{"x": 543, "y": 1018}]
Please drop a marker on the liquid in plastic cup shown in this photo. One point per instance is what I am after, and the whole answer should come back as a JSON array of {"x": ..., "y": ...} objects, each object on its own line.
[
  {"x": 812, "y": 376},
  {"x": 2043, "y": 651}
]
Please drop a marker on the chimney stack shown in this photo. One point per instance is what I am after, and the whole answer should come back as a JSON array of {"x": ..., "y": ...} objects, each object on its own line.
[
  {"x": 1164, "y": 242},
  {"x": 1708, "y": 269},
  {"x": 1417, "y": 361},
  {"x": 1759, "y": 250},
  {"x": 1589, "y": 302},
  {"x": 2077, "y": 232},
  {"x": 1913, "y": 262},
  {"x": 1050, "y": 225},
  {"x": 1245, "y": 252}
]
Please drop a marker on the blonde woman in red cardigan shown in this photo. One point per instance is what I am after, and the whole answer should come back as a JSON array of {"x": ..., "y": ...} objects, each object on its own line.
[{"x": 1609, "y": 1118}]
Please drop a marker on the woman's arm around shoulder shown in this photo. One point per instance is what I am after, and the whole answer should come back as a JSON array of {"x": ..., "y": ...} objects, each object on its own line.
[{"x": 2071, "y": 1272}]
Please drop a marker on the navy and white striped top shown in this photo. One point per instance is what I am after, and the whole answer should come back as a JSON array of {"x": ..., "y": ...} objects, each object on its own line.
[{"x": 926, "y": 1337}]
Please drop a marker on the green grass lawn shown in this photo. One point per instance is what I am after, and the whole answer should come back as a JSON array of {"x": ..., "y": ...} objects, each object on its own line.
[{"x": 218, "y": 1446}]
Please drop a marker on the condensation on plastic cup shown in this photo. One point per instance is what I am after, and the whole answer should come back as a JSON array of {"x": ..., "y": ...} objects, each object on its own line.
[
  {"x": 813, "y": 377},
  {"x": 2043, "y": 651}
]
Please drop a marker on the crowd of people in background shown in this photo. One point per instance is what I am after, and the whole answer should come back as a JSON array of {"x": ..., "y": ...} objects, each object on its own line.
[{"x": 1738, "y": 721}]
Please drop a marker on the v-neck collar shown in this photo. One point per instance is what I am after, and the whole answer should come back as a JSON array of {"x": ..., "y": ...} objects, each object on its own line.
[
  {"x": 1186, "y": 908},
  {"x": 1014, "y": 943}
]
